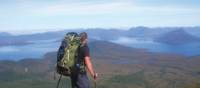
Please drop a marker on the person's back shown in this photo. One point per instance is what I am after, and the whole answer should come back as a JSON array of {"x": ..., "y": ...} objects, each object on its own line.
[{"x": 79, "y": 78}]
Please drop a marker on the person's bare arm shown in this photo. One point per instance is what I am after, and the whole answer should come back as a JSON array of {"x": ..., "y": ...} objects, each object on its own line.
[{"x": 90, "y": 67}]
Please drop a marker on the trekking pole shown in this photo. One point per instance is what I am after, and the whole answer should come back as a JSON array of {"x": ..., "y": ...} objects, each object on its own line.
[
  {"x": 95, "y": 84},
  {"x": 95, "y": 81},
  {"x": 59, "y": 81}
]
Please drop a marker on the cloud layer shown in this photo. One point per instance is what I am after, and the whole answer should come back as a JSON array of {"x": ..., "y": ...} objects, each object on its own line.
[{"x": 48, "y": 15}]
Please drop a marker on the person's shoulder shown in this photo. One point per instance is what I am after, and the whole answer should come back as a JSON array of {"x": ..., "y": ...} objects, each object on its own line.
[{"x": 85, "y": 47}]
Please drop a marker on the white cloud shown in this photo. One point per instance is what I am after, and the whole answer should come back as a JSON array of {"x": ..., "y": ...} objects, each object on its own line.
[
  {"x": 47, "y": 15},
  {"x": 8, "y": 49},
  {"x": 128, "y": 41},
  {"x": 84, "y": 8},
  {"x": 106, "y": 8}
]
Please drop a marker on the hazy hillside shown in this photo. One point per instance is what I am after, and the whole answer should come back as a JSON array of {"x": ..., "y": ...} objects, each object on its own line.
[
  {"x": 95, "y": 33},
  {"x": 145, "y": 32},
  {"x": 118, "y": 67},
  {"x": 4, "y": 34},
  {"x": 176, "y": 37},
  {"x": 193, "y": 30}
]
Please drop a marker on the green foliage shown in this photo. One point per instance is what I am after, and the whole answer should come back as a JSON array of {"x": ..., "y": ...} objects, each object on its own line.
[
  {"x": 126, "y": 81},
  {"x": 136, "y": 78},
  {"x": 10, "y": 76},
  {"x": 31, "y": 81},
  {"x": 198, "y": 85},
  {"x": 12, "y": 79},
  {"x": 28, "y": 84}
]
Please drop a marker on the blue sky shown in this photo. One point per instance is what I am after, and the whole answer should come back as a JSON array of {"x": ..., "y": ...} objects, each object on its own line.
[{"x": 30, "y": 16}]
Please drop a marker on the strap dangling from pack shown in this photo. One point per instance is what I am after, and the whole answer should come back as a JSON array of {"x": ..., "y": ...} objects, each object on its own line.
[{"x": 59, "y": 81}]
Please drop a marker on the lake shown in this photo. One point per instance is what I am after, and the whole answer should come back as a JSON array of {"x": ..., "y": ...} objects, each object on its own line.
[
  {"x": 39, "y": 48},
  {"x": 35, "y": 50},
  {"x": 189, "y": 49}
]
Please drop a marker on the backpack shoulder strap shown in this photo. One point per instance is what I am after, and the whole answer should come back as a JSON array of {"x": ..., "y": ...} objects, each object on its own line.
[{"x": 61, "y": 50}]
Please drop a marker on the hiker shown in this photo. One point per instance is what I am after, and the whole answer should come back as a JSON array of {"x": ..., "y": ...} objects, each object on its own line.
[
  {"x": 75, "y": 64},
  {"x": 80, "y": 80}
]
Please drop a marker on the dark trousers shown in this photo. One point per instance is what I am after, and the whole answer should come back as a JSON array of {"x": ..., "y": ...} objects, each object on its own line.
[{"x": 80, "y": 80}]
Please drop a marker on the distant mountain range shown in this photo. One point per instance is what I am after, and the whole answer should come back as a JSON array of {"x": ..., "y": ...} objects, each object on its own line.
[
  {"x": 99, "y": 34},
  {"x": 177, "y": 37}
]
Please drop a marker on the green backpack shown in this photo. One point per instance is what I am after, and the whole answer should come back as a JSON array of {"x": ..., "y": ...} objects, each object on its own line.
[{"x": 67, "y": 54}]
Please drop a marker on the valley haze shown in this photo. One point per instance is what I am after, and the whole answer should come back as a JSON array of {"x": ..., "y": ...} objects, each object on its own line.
[{"x": 174, "y": 40}]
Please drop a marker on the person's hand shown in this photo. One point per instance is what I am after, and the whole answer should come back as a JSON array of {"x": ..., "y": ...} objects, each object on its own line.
[{"x": 95, "y": 76}]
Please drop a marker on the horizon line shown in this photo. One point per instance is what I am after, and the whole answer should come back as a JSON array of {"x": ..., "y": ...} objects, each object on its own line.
[{"x": 88, "y": 28}]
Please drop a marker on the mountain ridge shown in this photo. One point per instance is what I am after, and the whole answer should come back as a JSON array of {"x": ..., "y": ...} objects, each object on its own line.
[
  {"x": 99, "y": 33},
  {"x": 177, "y": 37}
]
